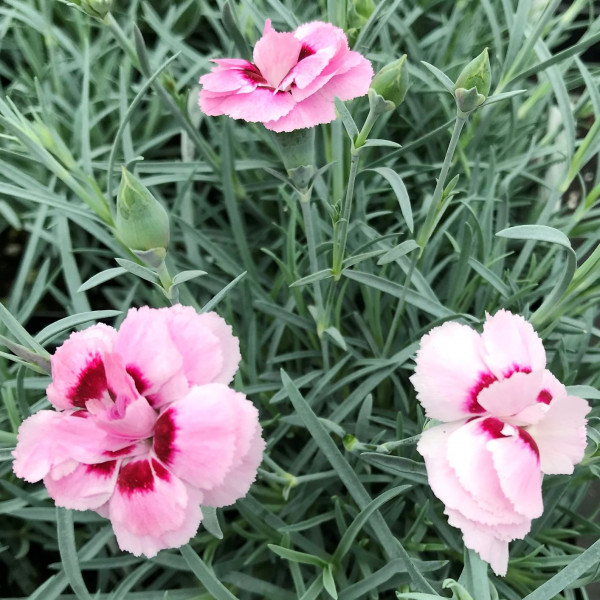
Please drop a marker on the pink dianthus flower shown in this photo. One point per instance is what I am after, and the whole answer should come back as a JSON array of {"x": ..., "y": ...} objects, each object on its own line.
[
  {"x": 506, "y": 421},
  {"x": 146, "y": 428},
  {"x": 293, "y": 80}
]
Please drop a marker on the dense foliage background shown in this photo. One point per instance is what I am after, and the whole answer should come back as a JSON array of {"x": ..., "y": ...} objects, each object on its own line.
[{"x": 79, "y": 98}]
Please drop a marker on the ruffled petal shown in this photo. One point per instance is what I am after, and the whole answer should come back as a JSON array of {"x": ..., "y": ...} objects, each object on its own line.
[
  {"x": 78, "y": 367},
  {"x": 517, "y": 463},
  {"x": 275, "y": 54},
  {"x": 319, "y": 36},
  {"x": 224, "y": 78},
  {"x": 342, "y": 62},
  {"x": 158, "y": 375},
  {"x": 445, "y": 483},
  {"x": 511, "y": 345},
  {"x": 450, "y": 372},
  {"x": 249, "y": 448},
  {"x": 561, "y": 435},
  {"x": 87, "y": 487},
  {"x": 483, "y": 540},
  {"x": 473, "y": 464},
  {"x": 210, "y": 351},
  {"x": 314, "y": 110},
  {"x": 261, "y": 105},
  {"x": 510, "y": 397},
  {"x": 57, "y": 441},
  {"x": 351, "y": 84},
  {"x": 152, "y": 509},
  {"x": 322, "y": 45},
  {"x": 35, "y": 453},
  {"x": 195, "y": 436}
]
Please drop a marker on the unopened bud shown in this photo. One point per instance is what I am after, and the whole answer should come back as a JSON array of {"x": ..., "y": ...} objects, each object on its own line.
[
  {"x": 359, "y": 12},
  {"x": 473, "y": 84},
  {"x": 95, "y": 8},
  {"x": 142, "y": 223},
  {"x": 391, "y": 83}
]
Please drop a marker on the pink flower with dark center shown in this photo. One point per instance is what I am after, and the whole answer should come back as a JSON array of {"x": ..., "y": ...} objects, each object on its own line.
[
  {"x": 506, "y": 421},
  {"x": 146, "y": 428},
  {"x": 293, "y": 80}
]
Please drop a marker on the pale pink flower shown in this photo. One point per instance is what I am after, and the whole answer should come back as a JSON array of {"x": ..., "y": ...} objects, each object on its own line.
[
  {"x": 506, "y": 421},
  {"x": 293, "y": 80},
  {"x": 146, "y": 428}
]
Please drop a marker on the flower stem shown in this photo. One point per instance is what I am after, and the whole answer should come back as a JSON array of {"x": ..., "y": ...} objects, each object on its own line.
[
  {"x": 339, "y": 249},
  {"x": 361, "y": 138},
  {"x": 166, "y": 281},
  {"x": 123, "y": 40},
  {"x": 426, "y": 230}
]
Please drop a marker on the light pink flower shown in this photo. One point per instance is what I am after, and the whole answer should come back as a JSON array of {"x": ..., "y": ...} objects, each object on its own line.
[
  {"x": 506, "y": 421},
  {"x": 146, "y": 428},
  {"x": 293, "y": 80}
]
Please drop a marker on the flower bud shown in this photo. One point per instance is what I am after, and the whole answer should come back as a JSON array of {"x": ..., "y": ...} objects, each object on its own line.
[
  {"x": 96, "y": 8},
  {"x": 142, "y": 223},
  {"x": 359, "y": 12},
  {"x": 473, "y": 84},
  {"x": 391, "y": 82}
]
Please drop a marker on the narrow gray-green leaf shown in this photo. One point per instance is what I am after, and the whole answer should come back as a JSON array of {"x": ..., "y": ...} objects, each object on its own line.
[{"x": 68, "y": 553}]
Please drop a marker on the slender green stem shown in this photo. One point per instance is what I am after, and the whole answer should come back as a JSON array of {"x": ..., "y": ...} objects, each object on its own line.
[
  {"x": 123, "y": 40},
  {"x": 340, "y": 249},
  {"x": 167, "y": 282},
  {"x": 361, "y": 138},
  {"x": 427, "y": 228}
]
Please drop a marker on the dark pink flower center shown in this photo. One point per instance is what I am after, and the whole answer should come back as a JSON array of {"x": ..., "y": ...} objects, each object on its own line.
[
  {"x": 253, "y": 75},
  {"x": 105, "y": 469},
  {"x": 164, "y": 436},
  {"x": 121, "y": 452},
  {"x": 484, "y": 381},
  {"x": 544, "y": 396},
  {"x": 305, "y": 51},
  {"x": 91, "y": 383},
  {"x": 160, "y": 471},
  {"x": 138, "y": 379},
  {"x": 516, "y": 369},
  {"x": 134, "y": 477},
  {"x": 526, "y": 437},
  {"x": 494, "y": 427}
]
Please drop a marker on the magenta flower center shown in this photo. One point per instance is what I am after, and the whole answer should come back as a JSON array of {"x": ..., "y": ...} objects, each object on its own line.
[
  {"x": 164, "y": 436},
  {"x": 495, "y": 428},
  {"x": 91, "y": 383},
  {"x": 253, "y": 75}
]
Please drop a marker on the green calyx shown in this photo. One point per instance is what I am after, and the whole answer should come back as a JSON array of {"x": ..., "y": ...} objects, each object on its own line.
[
  {"x": 142, "y": 223},
  {"x": 473, "y": 84},
  {"x": 391, "y": 83}
]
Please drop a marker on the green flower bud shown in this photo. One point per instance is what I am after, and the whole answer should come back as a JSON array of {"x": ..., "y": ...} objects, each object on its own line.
[
  {"x": 391, "y": 82},
  {"x": 359, "y": 12},
  {"x": 142, "y": 223},
  {"x": 96, "y": 8},
  {"x": 473, "y": 84}
]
